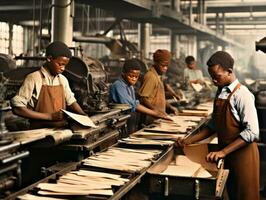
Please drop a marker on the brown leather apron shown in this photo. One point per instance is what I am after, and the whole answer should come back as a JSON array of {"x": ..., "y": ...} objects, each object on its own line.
[
  {"x": 243, "y": 181},
  {"x": 158, "y": 101},
  {"x": 51, "y": 99}
]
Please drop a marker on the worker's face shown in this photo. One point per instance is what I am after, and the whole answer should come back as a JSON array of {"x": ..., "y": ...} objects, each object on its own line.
[
  {"x": 57, "y": 65},
  {"x": 162, "y": 67},
  {"x": 220, "y": 76},
  {"x": 132, "y": 76},
  {"x": 192, "y": 65}
]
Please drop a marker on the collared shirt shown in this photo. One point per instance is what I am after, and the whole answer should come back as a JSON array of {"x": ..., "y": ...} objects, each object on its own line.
[
  {"x": 121, "y": 92},
  {"x": 29, "y": 92},
  {"x": 243, "y": 109},
  {"x": 193, "y": 74}
]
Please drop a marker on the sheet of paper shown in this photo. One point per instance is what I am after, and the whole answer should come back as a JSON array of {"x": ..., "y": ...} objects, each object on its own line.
[
  {"x": 82, "y": 119},
  {"x": 181, "y": 170},
  {"x": 197, "y": 153},
  {"x": 34, "y": 197},
  {"x": 197, "y": 87}
]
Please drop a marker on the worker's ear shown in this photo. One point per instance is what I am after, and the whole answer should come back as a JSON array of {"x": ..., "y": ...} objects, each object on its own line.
[{"x": 230, "y": 71}]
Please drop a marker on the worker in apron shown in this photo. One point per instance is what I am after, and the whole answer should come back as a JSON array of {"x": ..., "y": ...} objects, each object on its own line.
[
  {"x": 235, "y": 121},
  {"x": 122, "y": 92},
  {"x": 152, "y": 90},
  {"x": 45, "y": 92}
]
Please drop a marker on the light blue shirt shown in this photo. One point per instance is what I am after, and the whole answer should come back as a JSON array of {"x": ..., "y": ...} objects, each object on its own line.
[
  {"x": 121, "y": 92},
  {"x": 243, "y": 109}
]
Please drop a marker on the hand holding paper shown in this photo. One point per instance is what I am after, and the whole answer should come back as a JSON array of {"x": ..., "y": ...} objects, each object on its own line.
[{"x": 82, "y": 119}]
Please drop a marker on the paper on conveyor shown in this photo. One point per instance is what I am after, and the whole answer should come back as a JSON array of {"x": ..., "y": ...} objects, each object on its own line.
[
  {"x": 195, "y": 112},
  {"x": 143, "y": 141},
  {"x": 91, "y": 181},
  {"x": 96, "y": 174},
  {"x": 182, "y": 167},
  {"x": 203, "y": 173},
  {"x": 197, "y": 153},
  {"x": 129, "y": 159},
  {"x": 188, "y": 118},
  {"x": 77, "y": 193},
  {"x": 57, "y": 135},
  {"x": 197, "y": 87},
  {"x": 82, "y": 119},
  {"x": 186, "y": 168},
  {"x": 34, "y": 197},
  {"x": 156, "y": 135},
  {"x": 61, "y": 188}
]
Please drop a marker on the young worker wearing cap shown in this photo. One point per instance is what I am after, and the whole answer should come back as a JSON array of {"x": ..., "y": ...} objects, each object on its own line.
[
  {"x": 152, "y": 90},
  {"x": 45, "y": 92}
]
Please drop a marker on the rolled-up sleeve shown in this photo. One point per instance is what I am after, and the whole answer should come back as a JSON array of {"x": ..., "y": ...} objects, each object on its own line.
[
  {"x": 248, "y": 116},
  {"x": 25, "y": 93},
  {"x": 119, "y": 94}
]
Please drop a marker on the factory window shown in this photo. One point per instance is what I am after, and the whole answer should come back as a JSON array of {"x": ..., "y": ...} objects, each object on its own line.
[
  {"x": 4, "y": 36},
  {"x": 17, "y": 39}
]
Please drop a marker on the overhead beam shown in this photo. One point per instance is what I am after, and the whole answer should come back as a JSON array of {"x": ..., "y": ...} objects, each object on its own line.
[
  {"x": 215, "y": 7},
  {"x": 160, "y": 15},
  {"x": 239, "y": 21}
]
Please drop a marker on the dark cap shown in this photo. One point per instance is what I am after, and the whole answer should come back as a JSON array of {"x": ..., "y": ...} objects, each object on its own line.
[
  {"x": 131, "y": 64},
  {"x": 161, "y": 55},
  {"x": 57, "y": 49},
  {"x": 221, "y": 58}
]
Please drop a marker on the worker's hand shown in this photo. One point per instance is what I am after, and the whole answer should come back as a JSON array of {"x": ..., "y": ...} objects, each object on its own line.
[
  {"x": 215, "y": 156},
  {"x": 57, "y": 116},
  {"x": 181, "y": 142},
  {"x": 173, "y": 110},
  {"x": 166, "y": 117},
  {"x": 162, "y": 115},
  {"x": 177, "y": 97}
]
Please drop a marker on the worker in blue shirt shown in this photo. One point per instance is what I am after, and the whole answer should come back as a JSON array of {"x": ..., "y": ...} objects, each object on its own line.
[{"x": 122, "y": 92}]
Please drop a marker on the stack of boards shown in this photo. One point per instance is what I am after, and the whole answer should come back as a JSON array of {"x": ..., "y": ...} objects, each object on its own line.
[
  {"x": 202, "y": 110},
  {"x": 87, "y": 182},
  {"x": 123, "y": 159},
  {"x": 79, "y": 183},
  {"x": 182, "y": 124},
  {"x": 170, "y": 130}
]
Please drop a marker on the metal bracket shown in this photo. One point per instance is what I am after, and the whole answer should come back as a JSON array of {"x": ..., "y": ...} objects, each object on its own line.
[
  {"x": 166, "y": 186},
  {"x": 197, "y": 189}
]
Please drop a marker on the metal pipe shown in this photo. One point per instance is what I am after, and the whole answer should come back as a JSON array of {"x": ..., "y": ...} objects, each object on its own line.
[
  {"x": 62, "y": 21},
  {"x": 91, "y": 39}
]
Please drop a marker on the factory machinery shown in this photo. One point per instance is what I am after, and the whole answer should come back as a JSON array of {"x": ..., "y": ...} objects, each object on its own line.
[
  {"x": 33, "y": 159},
  {"x": 102, "y": 162},
  {"x": 26, "y": 155},
  {"x": 139, "y": 161}
]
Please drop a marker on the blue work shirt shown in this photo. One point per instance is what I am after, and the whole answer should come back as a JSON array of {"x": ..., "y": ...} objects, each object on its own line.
[
  {"x": 243, "y": 109},
  {"x": 122, "y": 92}
]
